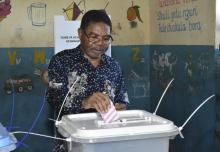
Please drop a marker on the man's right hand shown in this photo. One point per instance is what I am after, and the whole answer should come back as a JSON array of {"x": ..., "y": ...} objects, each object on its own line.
[{"x": 98, "y": 101}]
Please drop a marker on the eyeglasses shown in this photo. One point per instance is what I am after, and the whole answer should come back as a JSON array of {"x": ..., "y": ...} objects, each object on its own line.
[{"x": 94, "y": 38}]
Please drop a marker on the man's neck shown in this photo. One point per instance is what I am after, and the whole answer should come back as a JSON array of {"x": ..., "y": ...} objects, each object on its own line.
[{"x": 94, "y": 62}]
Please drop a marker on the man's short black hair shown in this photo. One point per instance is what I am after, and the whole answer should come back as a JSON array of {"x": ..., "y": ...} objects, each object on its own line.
[{"x": 95, "y": 16}]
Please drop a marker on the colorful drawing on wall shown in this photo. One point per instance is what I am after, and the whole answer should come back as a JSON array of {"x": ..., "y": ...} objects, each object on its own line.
[
  {"x": 73, "y": 11},
  {"x": 5, "y": 9},
  {"x": 37, "y": 14},
  {"x": 139, "y": 85},
  {"x": 136, "y": 76},
  {"x": 136, "y": 54},
  {"x": 204, "y": 65},
  {"x": 163, "y": 66},
  {"x": 133, "y": 13},
  {"x": 12, "y": 57},
  {"x": 43, "y": 75},
  {"x": 19, "y": 84},
  {"x": 197, "y": 69},
  {"x": 189, "y": 65}
]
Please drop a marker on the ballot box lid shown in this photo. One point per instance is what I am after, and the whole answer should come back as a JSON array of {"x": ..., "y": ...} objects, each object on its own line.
[{"x": 131, "y": 125}]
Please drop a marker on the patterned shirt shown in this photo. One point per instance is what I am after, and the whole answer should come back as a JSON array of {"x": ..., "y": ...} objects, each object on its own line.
[{"x": 69, "y": 71}]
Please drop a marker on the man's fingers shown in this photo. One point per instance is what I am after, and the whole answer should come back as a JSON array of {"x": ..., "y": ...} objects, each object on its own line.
[
  {"x": 99, "y": 101},
  {"x": 103, "y": 106},
  {"x": 103, "y": 101},
  {"x": 97, "y": 108}
]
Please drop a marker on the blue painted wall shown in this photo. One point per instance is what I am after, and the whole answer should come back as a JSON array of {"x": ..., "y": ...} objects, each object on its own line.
[
  {"x": 217, "y": 88},
  {"x": 28, "y": 103},
  {"x": 193, "y": 69},
  {"x": 134, "y": 61}
]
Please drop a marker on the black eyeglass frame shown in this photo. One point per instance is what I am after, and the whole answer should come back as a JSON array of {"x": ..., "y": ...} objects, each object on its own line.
[{"x": 97, "y": 39}]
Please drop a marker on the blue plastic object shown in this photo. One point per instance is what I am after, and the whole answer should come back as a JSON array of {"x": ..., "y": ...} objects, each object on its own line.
[{"x": 7, "y": 141}]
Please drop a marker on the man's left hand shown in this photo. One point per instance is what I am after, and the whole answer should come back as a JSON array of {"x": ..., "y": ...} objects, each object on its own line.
[{"x": 120, "y": 106}]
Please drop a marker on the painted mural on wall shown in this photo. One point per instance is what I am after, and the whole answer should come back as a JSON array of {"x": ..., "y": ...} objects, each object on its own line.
[
  {"x": 18, "y": 84},
  {"x": 184, "y": 29},
  {"x": 179, "y": 20},
  {"x": 183, "y": 23},
  {"x": 36, "y": 12},
  {"x": 38, "y": 15},
  {"x": 5, "y": 9},
  {"x": 133, "y": 13},
  {"x": 164, "y": 63},
  {"x": 138, "y": 79},
  {"x": 73, "y": 10},
  {"x": 196, "y": 66},
  {"x": 25, "y": 53},
  {"x": 23, "y": 82},
  {"x": 193, "y": 71},
  {"x": 139, "y": 83},
  {"x": 189, "y": 65},
  {"x": 135, "y": 65}
]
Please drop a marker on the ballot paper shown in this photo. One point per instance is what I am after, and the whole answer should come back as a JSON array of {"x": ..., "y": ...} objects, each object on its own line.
[{"x": 111, "y": 115}]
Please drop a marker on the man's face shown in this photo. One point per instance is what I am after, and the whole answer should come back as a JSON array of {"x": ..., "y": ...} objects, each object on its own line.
[{"x": 95, "y": 40}]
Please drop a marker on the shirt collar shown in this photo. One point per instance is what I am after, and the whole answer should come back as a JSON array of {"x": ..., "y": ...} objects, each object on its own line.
[{"x": 105, "y": 59}]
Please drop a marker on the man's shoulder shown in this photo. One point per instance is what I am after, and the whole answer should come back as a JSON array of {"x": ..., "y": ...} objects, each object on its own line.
[
  {"x": 66, "y": 52},
  {"x": 63, "y": 56}
]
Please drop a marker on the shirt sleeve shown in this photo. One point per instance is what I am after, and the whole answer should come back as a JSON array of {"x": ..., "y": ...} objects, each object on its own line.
[
  {"x": 56, "y": 95},
  {"x": 121, "y": 95}
]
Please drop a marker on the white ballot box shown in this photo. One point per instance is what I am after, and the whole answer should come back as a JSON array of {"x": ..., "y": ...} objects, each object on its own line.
[
  {"x": 134, "y": 131},
  {"x": 66, "y": 34}
]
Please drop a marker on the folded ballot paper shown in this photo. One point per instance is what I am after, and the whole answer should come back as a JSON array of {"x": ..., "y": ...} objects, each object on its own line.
[{"x": 111, "y": 115}]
